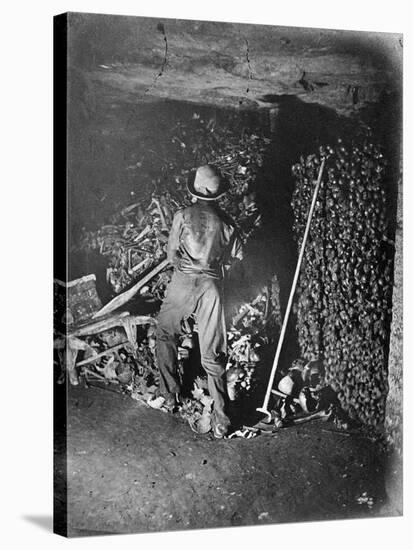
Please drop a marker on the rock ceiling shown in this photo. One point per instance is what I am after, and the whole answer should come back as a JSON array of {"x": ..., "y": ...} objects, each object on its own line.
[{"x": 128, "y": 59}]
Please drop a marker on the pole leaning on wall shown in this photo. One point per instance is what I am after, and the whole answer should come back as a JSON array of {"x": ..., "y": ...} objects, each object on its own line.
[{"x": 264, "y": 408}]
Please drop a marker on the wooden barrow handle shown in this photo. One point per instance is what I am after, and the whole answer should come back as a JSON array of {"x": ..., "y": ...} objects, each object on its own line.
[{"x": 120, "y": 300}]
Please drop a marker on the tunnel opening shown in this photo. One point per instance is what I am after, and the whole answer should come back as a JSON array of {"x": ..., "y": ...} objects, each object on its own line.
[{"x": 127, "y": 154}]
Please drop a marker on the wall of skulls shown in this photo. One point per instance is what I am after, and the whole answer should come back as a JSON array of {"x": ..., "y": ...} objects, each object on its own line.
[{"x": 345, "y": 288}]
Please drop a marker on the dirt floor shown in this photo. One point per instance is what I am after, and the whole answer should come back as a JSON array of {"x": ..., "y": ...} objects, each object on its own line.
[{"x": 134, "y": 469}]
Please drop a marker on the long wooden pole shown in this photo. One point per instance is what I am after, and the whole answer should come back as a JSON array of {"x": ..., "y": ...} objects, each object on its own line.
[
  {"x": 264, "y": 408},
  {"x": 126, "y": 296}
]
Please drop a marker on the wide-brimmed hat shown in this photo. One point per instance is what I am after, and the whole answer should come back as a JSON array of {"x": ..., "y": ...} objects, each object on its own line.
[{"x": 207, "y": 184}]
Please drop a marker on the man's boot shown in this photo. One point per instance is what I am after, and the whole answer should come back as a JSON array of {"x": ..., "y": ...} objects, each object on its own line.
[{"x": 220, "y": 425}]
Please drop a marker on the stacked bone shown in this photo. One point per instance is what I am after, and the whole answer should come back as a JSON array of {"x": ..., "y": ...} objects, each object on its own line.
[{"x": 344, "y": 292}]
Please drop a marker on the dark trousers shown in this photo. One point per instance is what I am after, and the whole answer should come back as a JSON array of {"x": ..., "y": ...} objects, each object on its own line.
[{"x": 202, "y": 295}]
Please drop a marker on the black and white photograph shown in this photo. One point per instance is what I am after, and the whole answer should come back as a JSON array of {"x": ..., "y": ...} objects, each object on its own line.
[
  {"x": 227, "y": 274},
  {"x": 205, "y": 236}
]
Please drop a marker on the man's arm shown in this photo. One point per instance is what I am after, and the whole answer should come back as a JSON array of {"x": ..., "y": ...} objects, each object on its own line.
[{"x": 173, "y": 241}]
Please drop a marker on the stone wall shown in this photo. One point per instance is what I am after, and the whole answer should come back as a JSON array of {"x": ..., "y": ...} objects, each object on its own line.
[{"x": 394, "y": 404}]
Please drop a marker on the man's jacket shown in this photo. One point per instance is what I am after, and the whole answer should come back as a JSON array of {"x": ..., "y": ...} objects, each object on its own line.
[{"x": 202, "y": 240}]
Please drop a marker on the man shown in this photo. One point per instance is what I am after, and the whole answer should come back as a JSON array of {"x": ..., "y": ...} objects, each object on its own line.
[{"x": 201, "y": 244}]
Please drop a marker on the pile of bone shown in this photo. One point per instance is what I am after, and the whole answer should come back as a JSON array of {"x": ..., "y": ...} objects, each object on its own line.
[
  {"x": 254, "y": 328},
  {"x": 301, "y": 395},
  {"x": 135, "y": 241},
  {"x": 136, "y": 237}
]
